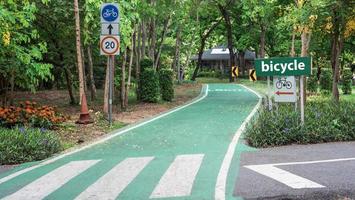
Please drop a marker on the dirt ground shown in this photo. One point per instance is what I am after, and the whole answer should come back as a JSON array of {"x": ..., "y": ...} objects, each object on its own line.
[{"x": 73, "y": 134}]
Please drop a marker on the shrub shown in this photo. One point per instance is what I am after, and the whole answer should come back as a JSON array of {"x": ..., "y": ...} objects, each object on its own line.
[
  {"x": 312, "y": 82},
  {"x": 325, "y": 81},
  {"x": 149, "y": 86},
  {"x": 166, "y": 81},
  {"x": 325, "y": 121},
  {"x": 31, "y": 115},
  {"x": 146, "y": 63},
  {"x": 20, "y": 145},
  {"x": 347, "y": 78}
]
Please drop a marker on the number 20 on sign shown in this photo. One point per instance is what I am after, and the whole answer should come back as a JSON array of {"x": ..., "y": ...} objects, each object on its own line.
[{"x": 110, "y": 45}]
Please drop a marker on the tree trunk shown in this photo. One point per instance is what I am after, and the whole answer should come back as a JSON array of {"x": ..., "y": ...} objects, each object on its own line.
[
  {"x": 78, "y": 50},
  {"x": 91, "y": 75},
  {"x": 68, "y": 78},
  {"x": 305, "y": 37},
  {"x": 165, "y": 30},
  {"x": 199, "y": 60},
  {"x": 130, "y": 68},
  {"x": 262, "y": 41},
  {"x": 144, "y": 40},
  {"x": 293, "y": 52},
  {"x": 84, "y": 69},
  {"x": 12, "y": 88},
  {"x": 177, "y": 49},
  {"x": 123, "y": 81},
  {"x": 242, "y": 62},
  {"x": 137, "y": 46},
  {"x": 228, "y": 24},
  {"x": 203, "y": 38},
  {"x": 153, "y": 40}
]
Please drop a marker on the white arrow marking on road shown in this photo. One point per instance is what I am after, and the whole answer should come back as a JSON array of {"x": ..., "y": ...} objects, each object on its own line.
[
  {"x": 285, "y": 177},
  {"x": 48, "y": 183},
  {"x": 179, "y": 177},
  {"x": 289, "y": 179},
  {"x": 116, "y": 180}
]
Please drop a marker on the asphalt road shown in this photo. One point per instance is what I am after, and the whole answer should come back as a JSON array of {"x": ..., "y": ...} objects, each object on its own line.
[{"x": 328, "y": 169}]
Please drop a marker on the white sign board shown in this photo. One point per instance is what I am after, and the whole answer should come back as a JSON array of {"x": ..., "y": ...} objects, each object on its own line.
[
  {"x": 109, "y": 29},
  {"x": 285, "y": 89},
  {"x": 109, "y": 45},
  {"x": 110, "y": 13}
]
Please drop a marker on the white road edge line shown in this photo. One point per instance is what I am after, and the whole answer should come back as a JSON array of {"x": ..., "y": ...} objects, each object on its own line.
[
  {"x": 313, "y": 162},
  {"x": 220, "y": 188},
  {"x": 292, "y": 180},
  {"x": 11, "y": 176}
]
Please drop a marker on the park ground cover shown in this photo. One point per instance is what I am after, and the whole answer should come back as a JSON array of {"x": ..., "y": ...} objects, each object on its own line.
[
  {"x": 326, "y": 121},
  {"x": 24, "y": 142}
]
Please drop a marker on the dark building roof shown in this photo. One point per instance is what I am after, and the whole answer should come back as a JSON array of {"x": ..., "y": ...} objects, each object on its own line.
[{"x": 222, "y": 53}]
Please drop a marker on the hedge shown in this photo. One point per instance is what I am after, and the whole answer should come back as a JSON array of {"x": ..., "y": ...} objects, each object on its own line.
[
  {"x": 166, "y": 81},
  {"x": 347, "y": 79},
  {"x": 149, "y": 86}
]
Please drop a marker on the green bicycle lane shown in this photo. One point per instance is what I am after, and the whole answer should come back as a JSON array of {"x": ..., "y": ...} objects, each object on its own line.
[{"x": 145, "y": 161}]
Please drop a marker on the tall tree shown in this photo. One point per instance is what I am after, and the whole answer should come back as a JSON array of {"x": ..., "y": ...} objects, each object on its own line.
[{"x": 78, "y": 50}]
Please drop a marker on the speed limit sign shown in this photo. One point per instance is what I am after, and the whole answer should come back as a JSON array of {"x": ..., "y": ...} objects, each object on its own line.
[{"x": 110, "y": 45}]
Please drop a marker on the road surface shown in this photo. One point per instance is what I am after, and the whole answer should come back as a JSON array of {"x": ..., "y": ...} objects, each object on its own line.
[{"x": 191, "y": 152}]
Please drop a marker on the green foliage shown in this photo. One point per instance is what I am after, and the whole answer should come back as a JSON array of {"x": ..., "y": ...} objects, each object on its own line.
[
  {"x": 325, "y": 122},
  {"x": 21, "y": 50},
  {"x": 166, "y": 81},
  {"x": 146, "y": 63},
  {"x": 325, "y": 80},
  {"x": 210, "y": 74},
  {"x": 347, "y": 78},
  {"x": 312, "y": 82},
  {"x": 25, "y": 145},
  {"x": 149, "y": 86}
]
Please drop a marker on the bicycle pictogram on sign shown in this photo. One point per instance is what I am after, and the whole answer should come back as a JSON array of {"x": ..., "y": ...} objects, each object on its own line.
[
  {"x": 283, "y": 83},
  {"x": 110, "y": 13}
]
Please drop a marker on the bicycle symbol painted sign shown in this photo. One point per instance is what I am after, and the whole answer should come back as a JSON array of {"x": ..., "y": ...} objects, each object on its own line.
[
  {"x": 110, "y": 13},
  {"x": 285, "y": 89}
]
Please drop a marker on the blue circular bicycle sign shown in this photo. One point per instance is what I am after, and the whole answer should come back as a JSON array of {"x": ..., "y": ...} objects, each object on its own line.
[{"x": 110, "y": 12}]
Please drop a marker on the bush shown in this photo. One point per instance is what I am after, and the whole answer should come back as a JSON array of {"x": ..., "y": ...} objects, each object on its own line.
[
  {"x": 20, "y": 145},
  {"x": 166, "y": 81},
  {"x": 347, "y": 78},
  {"x": 209, "y": 74},
  {"x": 325, "y": 81},
  {"x": 325, "y": 121},
  {"x": 312, "y": 82},
  {"x": 31, "y": 115},
  {"x": 149, "y": 86},
  {"x": 146, "y": 63}
]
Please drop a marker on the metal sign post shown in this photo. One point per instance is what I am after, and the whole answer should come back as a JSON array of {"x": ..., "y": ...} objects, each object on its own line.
[
  {"x": 302, "y": 99},
  {"x": 110, "y": 43},
  {"x": 269, "y": 93},
  {"x": 110, "y": 91}
]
